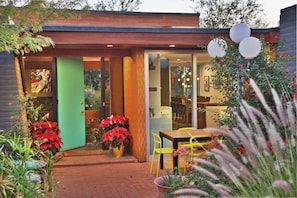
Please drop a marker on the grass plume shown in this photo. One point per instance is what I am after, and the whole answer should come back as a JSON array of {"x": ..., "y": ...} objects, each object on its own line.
[{"x": 259, "y": 154}]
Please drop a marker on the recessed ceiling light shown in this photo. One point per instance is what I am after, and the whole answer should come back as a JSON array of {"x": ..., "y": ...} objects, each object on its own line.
[
  {"x": 171, "y": 45},
  {"x": 109, "y": 45}
]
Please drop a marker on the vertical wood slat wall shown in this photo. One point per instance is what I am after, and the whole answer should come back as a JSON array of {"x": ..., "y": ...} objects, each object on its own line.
[
  {"x": 10, "y": 86},
  {"x": 134, "y": 97}
]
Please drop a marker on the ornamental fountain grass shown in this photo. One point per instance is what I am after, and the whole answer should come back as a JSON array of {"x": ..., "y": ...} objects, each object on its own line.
[{"x": 258, "y": 157}]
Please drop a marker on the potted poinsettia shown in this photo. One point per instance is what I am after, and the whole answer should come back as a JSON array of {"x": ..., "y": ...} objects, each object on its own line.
[
  {"x": 113, "y": 121},
  {"x": 117, "y": 137},
  {"x": 47, "y": 135},
  {"x": 115, "y": 133}
]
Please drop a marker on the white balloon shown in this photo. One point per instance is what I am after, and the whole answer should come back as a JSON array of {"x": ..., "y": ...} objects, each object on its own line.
[
  {"x": 239, "y": 31},
  {"x": 217, "y": 47},
  {"x": 250, "y": 47}
]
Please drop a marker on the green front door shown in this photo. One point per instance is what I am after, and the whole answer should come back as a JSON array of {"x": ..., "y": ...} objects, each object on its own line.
[{"x": 71, "y": 105}]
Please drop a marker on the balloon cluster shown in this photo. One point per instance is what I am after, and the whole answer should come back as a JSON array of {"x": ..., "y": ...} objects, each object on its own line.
[{"x": 249, "y": 47}]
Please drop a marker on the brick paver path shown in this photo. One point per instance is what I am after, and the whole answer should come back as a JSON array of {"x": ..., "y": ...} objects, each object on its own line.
[{"x": 110, "y": 180}]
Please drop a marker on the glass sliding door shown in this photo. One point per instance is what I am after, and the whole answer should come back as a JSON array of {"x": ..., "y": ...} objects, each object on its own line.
[
  {"x": 170, "y": 91},
  {"x": 208, "y": 96},
  {"x": 181, "y": 92}
]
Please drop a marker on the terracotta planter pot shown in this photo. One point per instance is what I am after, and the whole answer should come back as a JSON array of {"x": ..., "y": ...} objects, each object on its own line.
[{"x": 162, "y": 189}]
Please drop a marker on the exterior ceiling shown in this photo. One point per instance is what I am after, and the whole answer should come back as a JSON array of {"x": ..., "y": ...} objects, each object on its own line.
[
  {"x": 94, "y": 43},
  {"x": 90, "y": 34}
]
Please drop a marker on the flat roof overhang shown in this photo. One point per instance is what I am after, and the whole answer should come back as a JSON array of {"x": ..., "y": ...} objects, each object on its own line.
[{"x": 82, "y": 40}]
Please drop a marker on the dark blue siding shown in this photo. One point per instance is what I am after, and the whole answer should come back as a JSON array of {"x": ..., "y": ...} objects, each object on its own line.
[{"x": 8, "y": 90}]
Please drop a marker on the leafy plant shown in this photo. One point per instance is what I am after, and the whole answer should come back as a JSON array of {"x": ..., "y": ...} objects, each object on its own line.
[
  {"x": 225, "y": 13},
  {"x": 173, "y": 181},
  {"x": 15, "y": 171},
  {"x": 119, "y": 5},
  {"x": 114, "y": 131},
  {"x": 267, "y": 70},
  {"x": 113, "y": 121},
  {"x": 116, "y": 137},
  {"x": 46, "y": 136},
  {"x": 249, "y": 173},
  {"x": 21, "y": 23}
]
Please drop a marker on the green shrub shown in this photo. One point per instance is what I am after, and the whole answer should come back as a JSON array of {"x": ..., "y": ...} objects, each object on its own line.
[{"x": 16, "y": 173}]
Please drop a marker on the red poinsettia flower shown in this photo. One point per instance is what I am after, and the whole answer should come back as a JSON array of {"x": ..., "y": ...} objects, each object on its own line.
[
  {"x": 116, "y": 137},
  {"x": 113, "y": 121},
  {"x": 47, "y": 133}
]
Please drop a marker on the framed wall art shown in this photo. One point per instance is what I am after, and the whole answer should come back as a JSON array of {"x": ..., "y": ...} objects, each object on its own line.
[
  {"x": 206, "y": 83},
  {"x": 38, "y": 79},
  {"x": 215, "y": 82}
]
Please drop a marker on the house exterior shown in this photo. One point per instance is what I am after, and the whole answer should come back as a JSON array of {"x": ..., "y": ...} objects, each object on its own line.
[
  {"x": 288, "y": 35},
  {"x": 143, "y": 56}
]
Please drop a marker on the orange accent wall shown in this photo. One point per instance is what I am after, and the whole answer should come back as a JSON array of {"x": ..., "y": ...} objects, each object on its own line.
[
  {"x": 20, "y": 86},
  {"x": 116, "y": 86},
  {"x": 134, "y": 97},
  {"x": 19, "y": 77}
]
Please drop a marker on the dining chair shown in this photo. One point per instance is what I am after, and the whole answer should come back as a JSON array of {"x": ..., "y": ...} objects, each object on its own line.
[
  {"x": 198, "y": 144},
  {"x": 159, "y": 150},
  {"x": 186, "y": 145}
]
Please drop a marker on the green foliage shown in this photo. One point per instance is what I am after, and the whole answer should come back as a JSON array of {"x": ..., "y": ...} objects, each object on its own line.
[
  {"x": 92, "y": 88},
  {"x": 224, "y": 14},
  {"x": 21, "y": 22},
  {"x": 49, "y": 171},
  {"x": 173, "y": 181},
  {"x": 33, "y": 108},
  {"x": 16, "y": 151},
  {"x": 117, "y": 5},
  {"x": 267, "y": 69},
  {"x": 14, "y": 172}
]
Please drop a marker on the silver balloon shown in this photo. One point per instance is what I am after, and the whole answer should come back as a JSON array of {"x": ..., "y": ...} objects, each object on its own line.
[
  {"x": 217, "y": 48},
  {"x": 250, "y": 47},
  {"x": 239, "y": 31}
]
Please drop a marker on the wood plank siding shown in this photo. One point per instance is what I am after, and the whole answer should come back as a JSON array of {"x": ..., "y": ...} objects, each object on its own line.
[
  {"x": 288, "y": 34},
  {"x": 8, "y": 90},
  {"x": 133, "y": 19}
]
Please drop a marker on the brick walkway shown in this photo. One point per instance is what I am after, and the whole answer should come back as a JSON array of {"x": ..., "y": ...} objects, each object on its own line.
[{"x": 103, "y": 176}]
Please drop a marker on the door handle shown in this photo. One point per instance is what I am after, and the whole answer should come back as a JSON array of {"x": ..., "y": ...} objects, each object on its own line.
[{"x": 82, "y": 111}]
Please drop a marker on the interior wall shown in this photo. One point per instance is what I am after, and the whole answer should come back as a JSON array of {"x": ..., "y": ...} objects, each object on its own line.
[
  {"x": 208, "y": 75},
  {"x": 155, "y": 86},
  {"x": 134, "y": 105}
]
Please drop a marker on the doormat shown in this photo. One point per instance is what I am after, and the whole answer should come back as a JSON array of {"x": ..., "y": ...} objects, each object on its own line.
[{"x": 82, "y": 153}]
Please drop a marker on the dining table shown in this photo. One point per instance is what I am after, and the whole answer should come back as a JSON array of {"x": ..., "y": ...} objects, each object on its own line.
[{"x": 177, "y": 136}]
